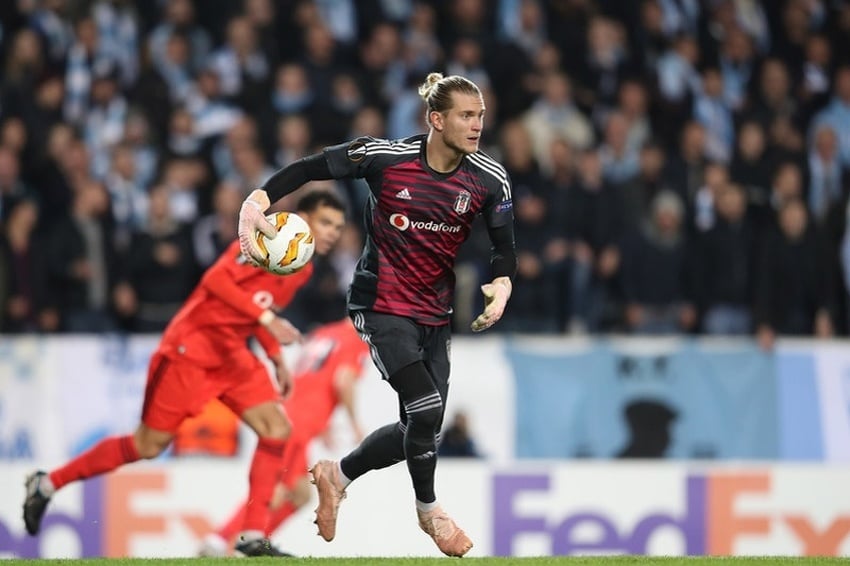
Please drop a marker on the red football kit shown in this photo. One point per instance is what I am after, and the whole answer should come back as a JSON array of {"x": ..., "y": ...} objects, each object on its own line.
[
  {"x": 328, "y": 350},
  {"x": 204, "y": 354}
]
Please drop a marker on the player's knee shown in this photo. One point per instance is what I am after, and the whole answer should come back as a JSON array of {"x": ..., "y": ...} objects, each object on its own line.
[
  {"x": 268, "y": 421},
  {"x": 275, "y": 427},
  {"x": 425, "y": 421},
  {"x": 150, "y": 446}
]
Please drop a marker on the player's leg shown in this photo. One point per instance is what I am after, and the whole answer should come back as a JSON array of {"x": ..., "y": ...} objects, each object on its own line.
[
  {"x": 161, "y": 415},
  {"x": 293, "y": 465},
  {"x": 450, "y": 539},
  {"x": 255, "y": 400},
  {"x": 294, "y": 486},
  {"x": 394, "y": 345}
]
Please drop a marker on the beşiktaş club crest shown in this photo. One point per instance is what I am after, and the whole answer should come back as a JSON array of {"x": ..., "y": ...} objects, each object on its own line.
[{"x": 462, "y": 202}]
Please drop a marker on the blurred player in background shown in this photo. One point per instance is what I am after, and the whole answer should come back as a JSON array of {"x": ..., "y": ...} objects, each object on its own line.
[
  {"x": 425, "y": 192},
  {"x": 204, "y": 355},
  {"x": 330, "y": 362}
]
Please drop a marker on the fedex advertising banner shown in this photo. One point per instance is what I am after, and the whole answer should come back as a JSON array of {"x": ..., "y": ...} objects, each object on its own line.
[{"x": 164, "y": 510}]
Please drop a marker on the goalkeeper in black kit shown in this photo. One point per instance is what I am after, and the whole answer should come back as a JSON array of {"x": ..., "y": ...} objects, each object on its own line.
[{"x": 426, "y": 191}]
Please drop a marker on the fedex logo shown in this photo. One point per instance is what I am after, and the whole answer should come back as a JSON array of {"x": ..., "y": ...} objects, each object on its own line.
[
  {"x": 711, "y": 522},
  {"x": 107, "y": 520}
]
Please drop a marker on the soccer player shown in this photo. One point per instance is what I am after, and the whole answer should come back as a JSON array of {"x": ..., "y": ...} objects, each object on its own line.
[
  {"x": 425, "y": 192},
  {"x": 203, "y": 355},
  {"x": 327, "y": 369}
]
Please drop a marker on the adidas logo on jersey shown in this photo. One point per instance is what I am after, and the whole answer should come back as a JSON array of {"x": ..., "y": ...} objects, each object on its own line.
[{"x": 403, "y": 194}]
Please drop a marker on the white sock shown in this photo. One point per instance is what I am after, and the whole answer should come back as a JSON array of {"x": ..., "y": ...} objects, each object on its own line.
[
  {"x": 342, "y": 477},
  {"x": 425, "y": 507},
  {"x": 246, "y": 536},
  {"x": 46, "y": 487}
]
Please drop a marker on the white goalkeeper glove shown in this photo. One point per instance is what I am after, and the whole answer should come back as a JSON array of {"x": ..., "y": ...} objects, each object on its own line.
[
  {"x": 252, "y": 220},
  {"x": 496, "y": 295}
]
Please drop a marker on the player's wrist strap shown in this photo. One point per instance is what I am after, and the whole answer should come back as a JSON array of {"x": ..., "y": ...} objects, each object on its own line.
[{"x": 266, "y": 317}]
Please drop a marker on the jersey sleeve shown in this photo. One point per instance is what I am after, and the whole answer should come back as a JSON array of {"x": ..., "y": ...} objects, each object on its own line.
[
  {"x": 498, "y": 206},
  {"x": 499, "y": 217},
  {"x": 223, "y": 280},
  {"x": 268, "y": 342},
  {"x": 362, "y": 157}
]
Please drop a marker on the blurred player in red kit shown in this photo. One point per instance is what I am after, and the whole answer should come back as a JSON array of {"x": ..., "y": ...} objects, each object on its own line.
[
  {"x": 327, "y": 369},
  {"x": 204, "y": 355}
]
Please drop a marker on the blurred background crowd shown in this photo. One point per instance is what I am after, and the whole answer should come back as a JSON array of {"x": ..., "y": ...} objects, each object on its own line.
[{"x": 678, "y": 165}]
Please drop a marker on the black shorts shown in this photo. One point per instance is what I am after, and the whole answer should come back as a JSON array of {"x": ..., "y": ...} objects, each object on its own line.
[{"x": 396, "y": 342}]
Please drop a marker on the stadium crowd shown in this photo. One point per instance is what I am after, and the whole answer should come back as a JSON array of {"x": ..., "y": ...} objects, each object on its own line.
[{"x": 677, "y": 165}]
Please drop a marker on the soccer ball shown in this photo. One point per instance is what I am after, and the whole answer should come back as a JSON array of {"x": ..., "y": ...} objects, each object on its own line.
[{"x": 292, "y": 247}]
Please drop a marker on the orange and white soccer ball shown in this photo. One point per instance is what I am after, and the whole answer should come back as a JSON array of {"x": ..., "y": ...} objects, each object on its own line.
[{"x": 293, "y": 246}]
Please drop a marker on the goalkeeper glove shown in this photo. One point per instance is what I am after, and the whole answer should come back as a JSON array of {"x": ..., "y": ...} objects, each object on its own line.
[
  {"x": 252, "y": 220},
  {"x": 496, "y": 295}
]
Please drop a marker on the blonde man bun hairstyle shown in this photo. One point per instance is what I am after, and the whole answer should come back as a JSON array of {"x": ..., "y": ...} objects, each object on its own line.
[
  {"x": 437, "y": 91},
  {"x": 427, "y": 87}
]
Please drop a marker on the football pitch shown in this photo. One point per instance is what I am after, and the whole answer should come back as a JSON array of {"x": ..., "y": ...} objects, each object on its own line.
[{"x": 369, "y": 561}]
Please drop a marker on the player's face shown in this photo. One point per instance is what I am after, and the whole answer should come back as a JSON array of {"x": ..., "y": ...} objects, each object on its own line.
[
  {"x": 326, "y": 224},
  {"x": 463, "y": 123}
]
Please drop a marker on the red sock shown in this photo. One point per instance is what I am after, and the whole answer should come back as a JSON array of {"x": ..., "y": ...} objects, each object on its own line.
[
  {"x": 105, "y": 456},
  {"x": 234, "y": 525},
  {"x": 278, "y": 516},
  {"x": 264, "y": 475}
]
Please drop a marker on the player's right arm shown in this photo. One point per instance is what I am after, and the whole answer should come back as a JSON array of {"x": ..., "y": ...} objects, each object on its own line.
[
  {"x": 221, "y": 280},
  {"x": 285, "y": 181},
  {"x": 349, "y": 159}
]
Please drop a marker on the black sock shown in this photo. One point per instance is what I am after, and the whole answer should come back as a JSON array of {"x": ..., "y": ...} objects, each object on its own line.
[
  {"x": 423, "y": 407},
  {"x": 382, "y": 448},
  {"x": 414, "y": 440}
]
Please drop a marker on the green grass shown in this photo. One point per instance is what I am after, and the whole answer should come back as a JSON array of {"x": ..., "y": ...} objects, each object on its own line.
[{"x": 541, "y": 561}]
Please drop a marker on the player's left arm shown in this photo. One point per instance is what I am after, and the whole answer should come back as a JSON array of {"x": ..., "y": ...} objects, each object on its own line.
[
  {"x": 274, "y": 352},
  {"x": 499, "y": 217}
]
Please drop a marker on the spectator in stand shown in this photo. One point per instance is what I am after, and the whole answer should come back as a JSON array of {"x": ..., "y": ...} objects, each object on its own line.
[
  {"x": 751, "y": 166},
  {"x": 787, "y": 185},
  {"x": 213, "y": 232},
  {"x": 825, "y": 182},
  {"x": 712, "y": 111},
  {"x": 12, "y": 187},
  {"x": 685, "y": 168},
  {"x": 179, "y": 17},
  {"x": 160, "y": 270},
  {"x": 638, "y": 193},
  {"x": 655, "y": 271},
  {"x": 81, "y": 263},
  {"x": 620, "y": 161},
  {"x": 793, "y": 294},
  {"x": 240, "y": 64},
  {"x": 457, "y": 441},
  {"x": 23, "y": 273},
  {"x": 724, "y": 259},
  {"x": 837, "y": 113},
  {"x": 554, "y": 115},
  {"x": 593, "y": 215}
]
